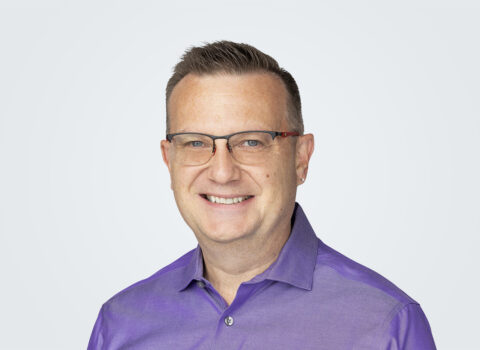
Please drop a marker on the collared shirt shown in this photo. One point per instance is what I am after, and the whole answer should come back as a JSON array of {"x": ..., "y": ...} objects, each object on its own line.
[{"x": 311, "y": 297}]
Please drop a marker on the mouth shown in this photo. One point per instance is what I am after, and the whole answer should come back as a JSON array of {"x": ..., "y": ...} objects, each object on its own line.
[{"x": 225, "y": 200}]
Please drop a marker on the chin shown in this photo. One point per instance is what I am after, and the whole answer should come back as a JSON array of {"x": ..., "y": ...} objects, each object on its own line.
[{"x": 225, "y": 233}]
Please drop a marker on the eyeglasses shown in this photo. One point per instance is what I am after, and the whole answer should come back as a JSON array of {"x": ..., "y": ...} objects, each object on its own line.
[{"x": 246, "y": 147}]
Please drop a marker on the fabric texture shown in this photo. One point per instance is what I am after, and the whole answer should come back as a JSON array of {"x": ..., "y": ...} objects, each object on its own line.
[{"x": 311, "y": 297}]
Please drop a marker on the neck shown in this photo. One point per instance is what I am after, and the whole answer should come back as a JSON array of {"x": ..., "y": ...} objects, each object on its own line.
[{"x": 227, "y": 265}]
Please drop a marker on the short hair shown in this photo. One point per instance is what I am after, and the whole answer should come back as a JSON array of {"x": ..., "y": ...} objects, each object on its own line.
[{"x": 236, "y": 58}]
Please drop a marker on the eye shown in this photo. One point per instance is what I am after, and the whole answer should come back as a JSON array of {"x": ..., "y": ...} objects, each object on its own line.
[
  {"x": 251, "y": 143},
  {"x": 195, "y": 144}
]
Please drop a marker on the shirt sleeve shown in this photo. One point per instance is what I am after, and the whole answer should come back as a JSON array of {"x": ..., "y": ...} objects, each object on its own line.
[
  {"x": 96, "y": 339},
  {"x": 409, "y": 330}
]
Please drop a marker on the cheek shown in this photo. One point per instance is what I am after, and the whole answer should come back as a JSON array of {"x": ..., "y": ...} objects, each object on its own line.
[
  {"x": 182, "y": 178},
  {"x": 278, "y": 172},
  {"x": 281, "y": 182}
]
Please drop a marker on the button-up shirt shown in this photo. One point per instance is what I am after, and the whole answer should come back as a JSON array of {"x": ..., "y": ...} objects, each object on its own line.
[{"x": 311, "y": 297}]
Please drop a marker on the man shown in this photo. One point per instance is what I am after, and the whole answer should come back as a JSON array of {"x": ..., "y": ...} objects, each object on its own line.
[{"x": 260, "y": 278}]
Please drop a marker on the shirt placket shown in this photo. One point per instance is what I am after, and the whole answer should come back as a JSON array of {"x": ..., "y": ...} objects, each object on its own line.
[{"x": 227, "y": 323}]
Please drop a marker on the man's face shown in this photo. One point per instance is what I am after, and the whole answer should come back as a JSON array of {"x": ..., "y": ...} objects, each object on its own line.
[{"x": 223, "y": 104}]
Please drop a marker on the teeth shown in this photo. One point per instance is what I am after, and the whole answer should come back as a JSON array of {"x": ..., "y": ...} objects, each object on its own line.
[{"x": 222, "y": 200}]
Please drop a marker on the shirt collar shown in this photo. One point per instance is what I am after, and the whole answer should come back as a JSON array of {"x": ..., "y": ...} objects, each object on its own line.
[
  {"x": 295, "y": 263},
  {"x": 193, "y": 271}
]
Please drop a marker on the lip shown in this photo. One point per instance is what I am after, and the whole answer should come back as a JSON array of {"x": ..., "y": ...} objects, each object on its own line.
[
  {"x": 225, "y": 195},
  {"x": 226, "y": 206}
]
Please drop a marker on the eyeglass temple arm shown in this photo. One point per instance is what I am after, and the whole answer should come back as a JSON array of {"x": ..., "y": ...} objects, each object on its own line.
[{"x": 287, "y": 133}]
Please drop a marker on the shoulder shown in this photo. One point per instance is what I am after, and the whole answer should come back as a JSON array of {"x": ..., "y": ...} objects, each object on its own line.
[
  {"x": 360, "y": 288},
  {"x": 161, "y": 284},
  {"x": 366, "y": 302},
  {"x": 140, "y": 305}
]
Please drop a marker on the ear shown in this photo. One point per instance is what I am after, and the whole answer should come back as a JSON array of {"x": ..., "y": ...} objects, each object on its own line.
[
  {"x": 305, "y": 146},
  {"x": 165, "y": 147}
]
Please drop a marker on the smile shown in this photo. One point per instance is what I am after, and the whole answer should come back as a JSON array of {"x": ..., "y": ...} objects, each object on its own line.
[{"x": 223, "y": 200}]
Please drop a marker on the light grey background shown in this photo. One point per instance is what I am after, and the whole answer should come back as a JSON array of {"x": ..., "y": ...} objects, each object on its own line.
[{"x": 390, "y": 90}]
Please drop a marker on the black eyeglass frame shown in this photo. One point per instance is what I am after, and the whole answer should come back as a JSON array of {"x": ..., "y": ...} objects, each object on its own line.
[{"x": 273, "y": 134}]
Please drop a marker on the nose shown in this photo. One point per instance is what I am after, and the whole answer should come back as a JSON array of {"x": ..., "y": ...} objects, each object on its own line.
[{"x": 222, "y": 167}]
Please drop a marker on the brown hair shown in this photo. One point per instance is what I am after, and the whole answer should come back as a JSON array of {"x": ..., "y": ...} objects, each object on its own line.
[{"x": 235, "y": 58}]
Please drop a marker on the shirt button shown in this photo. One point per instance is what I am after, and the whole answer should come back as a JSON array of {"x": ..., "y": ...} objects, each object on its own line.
[
  {"x": 201, "y": 284},
  {"x": 229, "y": 320}
]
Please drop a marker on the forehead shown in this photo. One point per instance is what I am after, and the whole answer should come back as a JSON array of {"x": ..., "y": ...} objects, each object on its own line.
[{"x": 228, "y": 103}]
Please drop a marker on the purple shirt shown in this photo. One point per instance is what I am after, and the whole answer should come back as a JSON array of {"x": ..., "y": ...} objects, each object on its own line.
[{"x": 311, "y": 297}]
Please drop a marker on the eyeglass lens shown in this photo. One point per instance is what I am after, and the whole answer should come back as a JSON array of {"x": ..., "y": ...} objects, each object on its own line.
[{"x": 246, "y": 148}]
